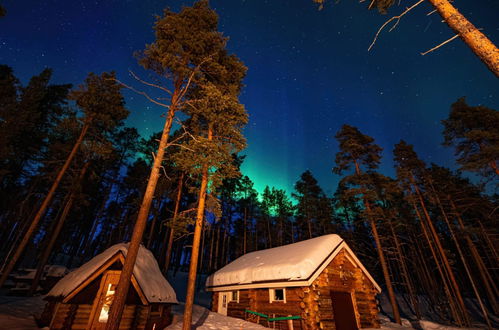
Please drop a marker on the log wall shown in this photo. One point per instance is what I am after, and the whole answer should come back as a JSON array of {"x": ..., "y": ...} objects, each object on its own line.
[
  {"x": 314, "y": 303},
  {"x": 73, "y": 316},
  {"x": 342, "y": 276}
]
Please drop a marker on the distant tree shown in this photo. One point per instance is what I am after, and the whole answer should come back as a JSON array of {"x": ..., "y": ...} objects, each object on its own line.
[
  {"x": 103, "y": 107},
  {"x": 247, "y": 206},
  {"x": 479, "y": 44},
  {"x": 310, "y": 197},
  {"x": 27, "y": 116},
  {"x": 359, "y": 150},
  {"x": 2, "y": 11},
  {"x": 474, "y": 132}
]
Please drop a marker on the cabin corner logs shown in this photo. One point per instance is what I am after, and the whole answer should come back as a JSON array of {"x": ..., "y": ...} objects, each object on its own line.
[{"x": 341, "y": 297}]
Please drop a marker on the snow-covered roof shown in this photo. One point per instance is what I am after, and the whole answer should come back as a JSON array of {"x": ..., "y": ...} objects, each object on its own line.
[
  {"x": 296, "y": 264},
  {"x": 146, "y": 271}
]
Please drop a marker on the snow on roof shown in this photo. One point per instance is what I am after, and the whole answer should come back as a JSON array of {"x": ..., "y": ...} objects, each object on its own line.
[
  {"x": 288, "y": 262},
  {"x": 300, "y": 262},
  {"x": 146, "y": 271}
]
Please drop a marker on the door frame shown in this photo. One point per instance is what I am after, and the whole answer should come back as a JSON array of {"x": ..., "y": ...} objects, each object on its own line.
[
  {"x": 354, "y": 304},
  {"x": 221, "y": 296}
]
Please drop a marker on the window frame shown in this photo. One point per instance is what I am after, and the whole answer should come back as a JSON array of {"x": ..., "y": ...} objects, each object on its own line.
[
  {"x": 232, "y": 296},
  {"x": 272, "y": 295}
]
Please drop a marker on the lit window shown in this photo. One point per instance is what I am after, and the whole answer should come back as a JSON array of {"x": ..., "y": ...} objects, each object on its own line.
[
  {"x": 277, "y": 295},
  {"x": 235, "y": 296},
  {"x": 104, "y": 312}
]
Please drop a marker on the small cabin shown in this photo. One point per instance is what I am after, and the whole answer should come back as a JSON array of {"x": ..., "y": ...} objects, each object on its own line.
[
  {"x": 314, "y": 284},
  {"x": 81, "y": 299}
]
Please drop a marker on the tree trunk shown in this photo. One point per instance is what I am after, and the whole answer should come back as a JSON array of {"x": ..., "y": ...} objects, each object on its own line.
[
  {"x": 384, "y": 266},
  {"x": 43, "y": 208},
  {"x": 57, "y": 230},
  {"x": 174, "y": 219},
  {"x": 447, "y": 267},
  {"x": 121, "y": 291},
  {"x": 476, "y": 40},
  {"x": 405, "y": 272},
  {"x": 463, "y": 260},
  {"x": 150, "y": 237},
  {"x": 189, "y": 298},
  {"x": 379, "y": 248},
  {"x": 244, "y": 228},
  {"x": 487, "y": 281}
]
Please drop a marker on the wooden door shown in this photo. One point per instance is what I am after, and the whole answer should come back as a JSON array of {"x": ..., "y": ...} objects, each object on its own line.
[
  {"x": 223, "y": 302},
  {"x": 344, "y": 311},
  {"x": 103, "y": 300}
]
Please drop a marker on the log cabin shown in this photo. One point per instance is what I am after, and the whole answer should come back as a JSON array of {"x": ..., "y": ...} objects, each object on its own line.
[
  {"x": 81, "y": 299},
  {"x": 313, "y": 284}
]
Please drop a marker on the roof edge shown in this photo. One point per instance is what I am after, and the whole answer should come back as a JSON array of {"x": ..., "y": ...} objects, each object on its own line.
[{"x": 296, "y": 283}]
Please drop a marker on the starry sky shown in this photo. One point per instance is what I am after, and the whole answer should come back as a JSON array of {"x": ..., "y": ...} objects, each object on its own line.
[{"x": 309, "y": 71}]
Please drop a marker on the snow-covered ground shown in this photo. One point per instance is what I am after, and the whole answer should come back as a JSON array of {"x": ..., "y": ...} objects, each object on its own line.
[{"x": 18, "y": 313}]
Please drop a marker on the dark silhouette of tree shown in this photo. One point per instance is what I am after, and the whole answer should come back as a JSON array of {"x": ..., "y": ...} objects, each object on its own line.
[
  {"x": 473, "y": 131},
  {"x": 102, "y": 104}
]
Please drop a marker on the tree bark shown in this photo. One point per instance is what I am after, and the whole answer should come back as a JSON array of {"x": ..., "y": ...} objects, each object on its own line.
[
  {"x": 191, "y": 283},
  {"x": 118, "y": 303},
  {"x": 476, "y": 40},
  {"x": 45, "y": 204}
]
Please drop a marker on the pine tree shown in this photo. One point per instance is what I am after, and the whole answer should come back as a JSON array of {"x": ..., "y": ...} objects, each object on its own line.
[
  {"x": 473, "y": 131},
  {"x": 185, "y": 44},
  {"x": 411, "y": 174},
  {"x": 102, "y": 104},
  {"x": 309, "y": 196},
  {"x": 360, "y": 151},
  {"x": 217, "y": 120},
  {"x": 479, "y": 44}
]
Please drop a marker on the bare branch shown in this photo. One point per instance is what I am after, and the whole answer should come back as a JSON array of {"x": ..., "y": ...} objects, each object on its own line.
[
  {"x": 431, "y": 12},
  {"x": 440, "y": 45},
  {"x": 184, "y": 89},
  {"x": 142, "y": 93},
  {"x": 149, "y": 84},
  {"x": 394, "y": 18}
]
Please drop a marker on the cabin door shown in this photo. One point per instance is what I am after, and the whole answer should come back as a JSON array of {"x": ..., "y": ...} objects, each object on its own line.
[
  {"x": 223, "y": 302},
  {"x": 343, "y": 310},
  {"x": 103, "y": 300}
]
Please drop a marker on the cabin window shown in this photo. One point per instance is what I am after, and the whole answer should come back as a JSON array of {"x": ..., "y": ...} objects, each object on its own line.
[
  {"x": 277, "y": 295},
  {"x": 104, "y": 312},
  {"x": 235, "y": 296}
]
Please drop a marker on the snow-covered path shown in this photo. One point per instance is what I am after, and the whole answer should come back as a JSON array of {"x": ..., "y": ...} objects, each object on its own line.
[{"x": 203, "y": 319}]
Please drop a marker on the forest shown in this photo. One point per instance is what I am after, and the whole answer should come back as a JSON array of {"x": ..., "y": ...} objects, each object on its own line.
[{"x": 75, "y": 180}]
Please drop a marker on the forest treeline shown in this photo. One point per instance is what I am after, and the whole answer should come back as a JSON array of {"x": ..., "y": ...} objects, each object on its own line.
[
  {"x": 74, "y": 180},
  {"x": 435, "y": 230}
]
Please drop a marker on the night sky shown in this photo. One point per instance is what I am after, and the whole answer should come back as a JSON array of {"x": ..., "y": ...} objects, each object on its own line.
[{"x": 309, "y": 71}]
